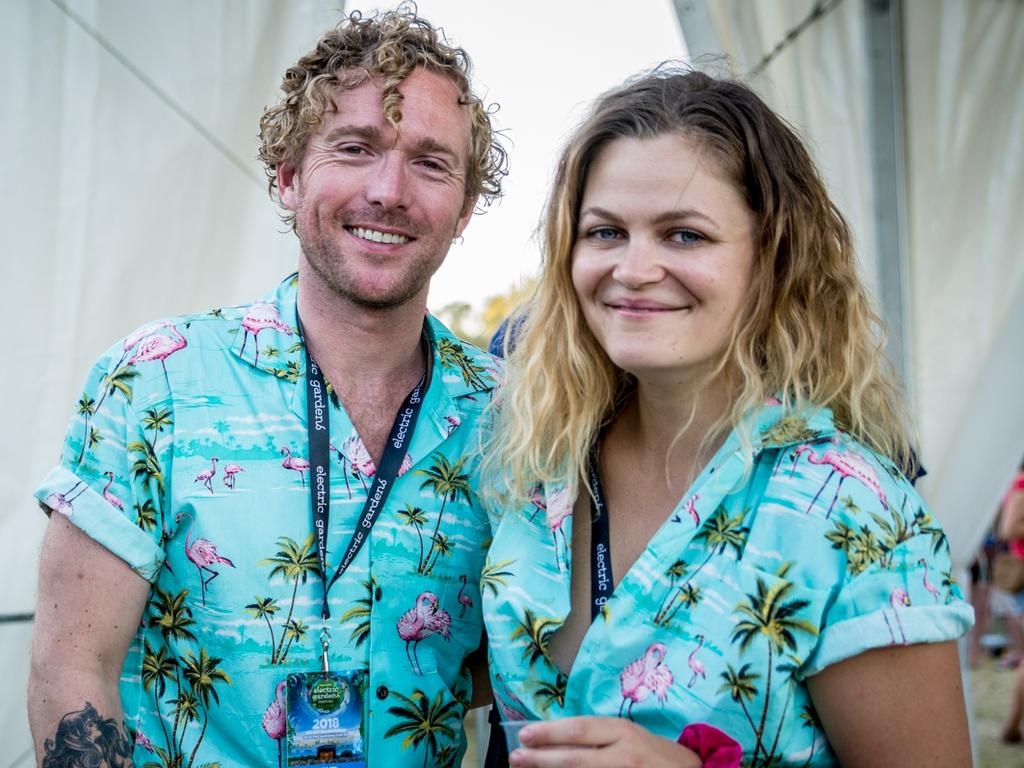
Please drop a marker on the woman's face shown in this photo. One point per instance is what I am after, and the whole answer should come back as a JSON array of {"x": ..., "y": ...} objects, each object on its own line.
[{"x": 663, "y": 256}]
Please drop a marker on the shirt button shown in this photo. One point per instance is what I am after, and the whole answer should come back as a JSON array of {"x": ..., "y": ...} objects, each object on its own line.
[
  {"x": 378, "y": 594},
  {"x": 382, "y": 692}
]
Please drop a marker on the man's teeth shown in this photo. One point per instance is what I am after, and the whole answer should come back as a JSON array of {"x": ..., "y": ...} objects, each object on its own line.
[{"x": 379, "y": 237}]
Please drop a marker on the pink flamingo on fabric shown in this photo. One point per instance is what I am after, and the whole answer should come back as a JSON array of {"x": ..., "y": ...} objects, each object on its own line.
[
  {"x": 145, "y": 331},
  {"x": 695, "y": 665},
  {"x": 344, "y": 467},
  {"x": 898, "y": 597},
  {"x": 846, "y": 464},
  {"x": 465, "y": 601},
  {"x": 203, "y": 554},
  {"x": 295, "y": 464},
  {"x": 109, "y": 495},
  {"x": 646, "y": 675},
  {"x": 691, "y": 507},
  {"x": 453, "y": 422},
  {"x": 63, "y": 502},
  {"x": 932, "y": 589},
  {"x": 559, "y": 507},
  {"x": 260, "y": 317},
  {"x": 274, "y": 721},
  {"x": 540, "y": 504},
  {"x": 359, "y": 459},
  {"x": 206, "y": 476},
  {"x": 143, "y": 741},
  {"x": 156, "y": 346},
  {"x": 425, "y": 619},
  {"x": 515, "y": 712},
  {"x": 229, "y": 475},
  {"x": 406, "y": 465}
]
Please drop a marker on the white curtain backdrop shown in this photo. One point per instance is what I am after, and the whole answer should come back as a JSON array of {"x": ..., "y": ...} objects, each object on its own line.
[
  {"x": 964, "y": 160},
  {"x": 117, "y": 209}
]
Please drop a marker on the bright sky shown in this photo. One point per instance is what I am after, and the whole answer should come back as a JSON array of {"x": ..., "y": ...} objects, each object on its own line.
[{"x": 543, "y": 63}]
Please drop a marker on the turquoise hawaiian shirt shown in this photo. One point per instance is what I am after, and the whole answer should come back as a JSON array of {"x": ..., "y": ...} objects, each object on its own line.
[
  {"x": 187, "y": 458},
  {"x": 762, "y": 576}
]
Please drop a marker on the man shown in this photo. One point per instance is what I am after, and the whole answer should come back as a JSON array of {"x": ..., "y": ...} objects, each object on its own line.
[{"x": 266, "y": 508}]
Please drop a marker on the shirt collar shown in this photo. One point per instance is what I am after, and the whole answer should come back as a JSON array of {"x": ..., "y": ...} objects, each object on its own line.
[
  {"x": 267, "y": 338},
  {"x": 774, "y": 425},
  {"x": 459, "y": 368}
]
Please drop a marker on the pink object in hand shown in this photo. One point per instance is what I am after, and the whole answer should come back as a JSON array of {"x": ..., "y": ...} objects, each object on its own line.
[{"x": 715, "y": 748}]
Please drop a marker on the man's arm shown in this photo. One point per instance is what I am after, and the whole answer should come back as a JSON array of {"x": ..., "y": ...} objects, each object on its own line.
[
  {"x": 902, "y": 705},
  {"x": 89, "y": 606}
]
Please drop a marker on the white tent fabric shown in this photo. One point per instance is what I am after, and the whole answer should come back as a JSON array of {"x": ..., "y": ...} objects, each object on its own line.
[
  {"x": 135, "y": 124},
  {"x": 964, "y": 161}
]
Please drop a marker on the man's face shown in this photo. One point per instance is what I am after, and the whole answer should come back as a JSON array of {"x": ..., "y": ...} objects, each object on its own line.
[{"x": 376, "y": 216}]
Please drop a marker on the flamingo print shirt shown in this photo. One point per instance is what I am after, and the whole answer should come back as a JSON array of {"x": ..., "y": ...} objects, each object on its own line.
[
  {"x": 187, "y": 458},
  {"x": 762, "y": 576}
]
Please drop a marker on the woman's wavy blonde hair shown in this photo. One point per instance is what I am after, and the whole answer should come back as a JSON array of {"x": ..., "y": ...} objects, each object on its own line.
[
  {"x": 806, "y": 334},
  {"x": 389, "y": 45}
]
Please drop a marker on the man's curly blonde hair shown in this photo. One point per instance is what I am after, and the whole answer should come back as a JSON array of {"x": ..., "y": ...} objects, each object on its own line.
[{"x": 389, "y": 45}]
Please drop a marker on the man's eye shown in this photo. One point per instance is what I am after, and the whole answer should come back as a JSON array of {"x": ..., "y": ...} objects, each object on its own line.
[{"x": 351, "y": 149}]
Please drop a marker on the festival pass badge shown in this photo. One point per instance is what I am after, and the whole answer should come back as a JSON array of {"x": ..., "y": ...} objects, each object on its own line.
[{"x": 325, "y": 712}]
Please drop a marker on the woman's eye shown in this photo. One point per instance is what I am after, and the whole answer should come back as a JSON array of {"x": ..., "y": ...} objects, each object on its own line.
[
  {"x": 603, "y": 233},
  {"x": 686, "y": 236}
]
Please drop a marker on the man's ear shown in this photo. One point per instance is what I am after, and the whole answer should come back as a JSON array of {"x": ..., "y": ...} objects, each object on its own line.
[
  {"x": 465, "y": 216},
  {"x": 288, "y": 185}
]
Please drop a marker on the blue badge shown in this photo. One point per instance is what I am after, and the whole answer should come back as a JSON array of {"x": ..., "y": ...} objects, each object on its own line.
[{"x": 325, "y": 714}]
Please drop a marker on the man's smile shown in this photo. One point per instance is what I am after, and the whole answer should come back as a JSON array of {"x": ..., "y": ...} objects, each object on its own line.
[{"x": 376, "y": 236}]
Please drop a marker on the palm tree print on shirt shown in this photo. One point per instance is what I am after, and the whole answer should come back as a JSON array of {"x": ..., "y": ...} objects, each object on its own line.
[
  {"x": 768, "y": 614},
  {"x": 417, "y": 518},
  {"x": 200, "y": 672},
  {"x": 156, "y": 420},
  {"x": 117, "y": 381},
  {"x": 864, "y": 547},
  {"x": 719, "y": 533},
  {"x": 361, "y": 611},
  {"x": 265, "y": 608},
  {"x": 538, "y": 630},
  {"x": 423, "y": 720},
  {"x": 741, "y": 687},
  {"x": 494, "y": 575},
  {"x": 453, "y": 355},
  {"x": 448, "y": 481},
  {"x": 294, "y": 563}
]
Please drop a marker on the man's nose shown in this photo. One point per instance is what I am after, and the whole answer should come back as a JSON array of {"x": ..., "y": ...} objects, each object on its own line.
[
  {"x": 639, "y": 265},
  {"x": 387, "y": 184}
]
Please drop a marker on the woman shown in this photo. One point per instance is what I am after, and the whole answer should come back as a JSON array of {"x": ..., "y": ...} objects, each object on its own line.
[
  {"x": 699, "y": 375},
  {"x": 1011, "y": 530}
]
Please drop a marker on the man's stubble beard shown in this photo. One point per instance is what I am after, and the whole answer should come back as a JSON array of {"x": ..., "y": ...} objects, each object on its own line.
[{"x": 327, "y": 259}]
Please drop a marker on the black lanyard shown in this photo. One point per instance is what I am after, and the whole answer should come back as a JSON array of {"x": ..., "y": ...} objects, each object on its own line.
[
  {"x": 318, "y": 428},
  {"x": 601, "y": 584}
]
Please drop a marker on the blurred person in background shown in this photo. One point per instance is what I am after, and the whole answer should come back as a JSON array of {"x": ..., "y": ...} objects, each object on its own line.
[{"x": 1011, "y": 530}]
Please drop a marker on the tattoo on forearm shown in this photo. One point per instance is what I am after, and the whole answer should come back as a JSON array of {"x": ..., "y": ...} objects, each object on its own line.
[{"x": 84, "y": 739}]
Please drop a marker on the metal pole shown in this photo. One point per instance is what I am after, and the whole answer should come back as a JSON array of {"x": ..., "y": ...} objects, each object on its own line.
[{"x": 888, "y": 167}]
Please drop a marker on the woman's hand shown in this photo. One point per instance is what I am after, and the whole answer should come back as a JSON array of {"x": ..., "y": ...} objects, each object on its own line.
[{"x": 597, "y": 742}]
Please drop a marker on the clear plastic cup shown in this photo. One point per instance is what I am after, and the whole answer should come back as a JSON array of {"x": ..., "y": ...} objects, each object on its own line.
[{"x": 512, "y": 728}]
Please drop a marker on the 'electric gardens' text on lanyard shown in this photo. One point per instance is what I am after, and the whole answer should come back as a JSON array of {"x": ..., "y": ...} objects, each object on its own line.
[
  {"x": 318, "y": 429},
  {"x": 601, "y": 583}
]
